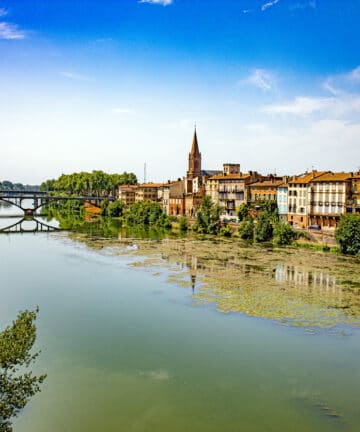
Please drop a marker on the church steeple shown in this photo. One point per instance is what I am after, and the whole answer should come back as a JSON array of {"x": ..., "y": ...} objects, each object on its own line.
[
  {"x": 195, "y": 146},
  {"x": 194, "y": 159}
]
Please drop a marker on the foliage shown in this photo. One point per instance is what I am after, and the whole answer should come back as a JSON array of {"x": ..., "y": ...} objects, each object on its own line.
[
  {"x": 96, "y": 183},
  {"x": 225, "y": 231},
  {"x": 263, "y": 228},
  {"x": 246, "y": 229},
  {"x": 243, "y": 211},
  {"x": 16, "y": 384},
  {"x": 183, "y": 224},
  {"x": 104, "y": 207},
  {"x": 207, "y": 217},
  {"x": 147, "y": 213},
  {"x": 116, "y": 209},
  {"x": 284, "y": 234},
  {"x": 8, "y": 185},
  {"x": 348, "y": 234}
]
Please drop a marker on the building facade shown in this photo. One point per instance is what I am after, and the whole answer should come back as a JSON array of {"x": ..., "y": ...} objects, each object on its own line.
[
  {"x": 329, "y": 195},
  {"x": 299, "y": 198}
]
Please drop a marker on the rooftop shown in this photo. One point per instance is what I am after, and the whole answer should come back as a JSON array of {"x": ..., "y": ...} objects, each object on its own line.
[{"x": 330, "y": 176}]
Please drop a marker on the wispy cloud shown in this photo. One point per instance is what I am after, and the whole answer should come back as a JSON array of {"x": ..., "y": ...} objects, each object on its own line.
[
  {"x": 75, "y": 76},
  {"x": 259, "y": 78},
  {"x": 158, "y": 2},
  {"x": 3, "y": 12},
  {"x": 11, "y": 32},
  {"x": 124, "y": 111},
  {"x": 299, "y": 106},
  {"x": 344, "y": 105},
  {"x": 354, "y": 75},
  {"x": 269, "y": 4},
  {"x": 303, "y": 4}
]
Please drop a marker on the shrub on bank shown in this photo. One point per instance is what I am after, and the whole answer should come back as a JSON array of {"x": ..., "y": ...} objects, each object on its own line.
[
  {"x": 348, "y": 234},
  {"x": 263, "y": 230},
  {"x": 283, "y": 234},
  {"x": 246, "y": 229},
  {"x": 225, "y": 231}
]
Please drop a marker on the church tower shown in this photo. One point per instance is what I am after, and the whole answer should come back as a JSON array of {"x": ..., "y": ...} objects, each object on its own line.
[{"x": 194, "y": 160}]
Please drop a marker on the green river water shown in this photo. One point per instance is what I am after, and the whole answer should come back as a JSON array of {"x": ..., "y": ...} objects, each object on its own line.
[{"x": 185, "y": 335}]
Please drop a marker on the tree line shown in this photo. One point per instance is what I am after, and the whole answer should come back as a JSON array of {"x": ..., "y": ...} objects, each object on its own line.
[
  {"x": 8, "y": 185},
  {"x": 96, "y": 183}
]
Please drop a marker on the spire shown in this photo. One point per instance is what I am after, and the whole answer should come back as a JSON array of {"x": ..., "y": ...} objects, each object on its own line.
[
  {"x": 195, "y": 146},
  {"x": 194, "y": 159}
]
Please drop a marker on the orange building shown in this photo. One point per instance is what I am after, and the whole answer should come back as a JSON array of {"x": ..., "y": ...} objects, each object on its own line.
[
  {"x": 127, "y": 193},
  {"x": 265, "y": 190},
  {"x": 148, "y": 192}
]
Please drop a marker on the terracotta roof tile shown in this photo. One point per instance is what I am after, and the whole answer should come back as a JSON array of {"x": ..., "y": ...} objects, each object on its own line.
[
  {"x": 230, "y": 177},
  {"x": 306, "y": 178},
  {"x": 330, "y": 176}
]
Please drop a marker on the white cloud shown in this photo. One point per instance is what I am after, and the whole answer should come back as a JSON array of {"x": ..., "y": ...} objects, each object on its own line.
[
  {"x": 11, "y": 32},
  {"x": 75, "y": 76},
  {"x": 159, "y": 2},
  {"x": 346, "y": 104},
  {"x": 269, "y": 4},
  {"x": 354, "y": 75},
  {"x": 123, "y": 111},
  {"x": 3, "y": 12},
  {"x": 259, "y": 78}
]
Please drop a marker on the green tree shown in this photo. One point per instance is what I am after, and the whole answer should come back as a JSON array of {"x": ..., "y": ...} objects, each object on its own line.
[
  {"x": 348, "y": 234},
  {"x": 263, "y": 228},
  {"x": 116, "y": 209},
  {"x": 246, "y": 229},
  {"x": 284, "y": 234},
  {"x": 147, "y": 213},
  {"x": 243, "y": 211},
  {"x": 207, "y": 217},
  {"x": 17, "y": 384},
  {"x": 183, "y": 224}
]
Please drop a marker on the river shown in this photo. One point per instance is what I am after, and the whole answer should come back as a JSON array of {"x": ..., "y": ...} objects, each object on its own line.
[{"x": 179, "y": 334}]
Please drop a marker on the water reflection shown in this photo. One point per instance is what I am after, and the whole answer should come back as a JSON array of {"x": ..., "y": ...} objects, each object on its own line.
[{"x": 292, "y": 287}]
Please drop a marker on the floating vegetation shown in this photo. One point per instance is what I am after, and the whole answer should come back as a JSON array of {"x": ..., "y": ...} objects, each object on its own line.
[{"x": 291, "y": 286}]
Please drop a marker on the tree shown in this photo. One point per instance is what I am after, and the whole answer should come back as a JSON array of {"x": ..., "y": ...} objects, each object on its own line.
[
  {"x": 243, "y": 211},
  {"x": 183, "y": 224},
  {"x": 207, "y": 217},
  {"x": 246, "y": 229},
  {"x": 17, "y": 384},
  {"x": 284, "y": 234},
  {"x": 348, "y": 234},
  {"x": 147, "y": 213},
  {"x": 263, "y": 228},
  {"x": 116, "y": 209}
]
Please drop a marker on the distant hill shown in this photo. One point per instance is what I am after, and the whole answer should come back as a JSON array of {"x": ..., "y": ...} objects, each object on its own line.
[{"x": 8, "y": 185}]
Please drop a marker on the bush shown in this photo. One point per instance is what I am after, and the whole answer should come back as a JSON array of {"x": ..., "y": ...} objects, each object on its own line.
[
  {"x": 284, "y": 234},
  {"x": 147, "y": 213},
  {"x": 183, "y": 224},
  {"x": 263, "y": 229},
  {"x": 225, "y": 231},
  {"x": 243, "y": 212},
  {"x": 104, "y": 207},
  {"x": 246, "y": 229},
  {"x": 116, "y": 209},
  {"x": 207, "y": 217},
  {"x": 348, "y": 234}
]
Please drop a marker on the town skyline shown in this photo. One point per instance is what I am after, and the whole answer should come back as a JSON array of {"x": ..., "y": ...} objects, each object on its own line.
[{"x": 113, "y": 87}]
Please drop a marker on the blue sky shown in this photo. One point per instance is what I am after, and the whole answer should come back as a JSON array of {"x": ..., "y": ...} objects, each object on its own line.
[{"x": 271, "y": 84}]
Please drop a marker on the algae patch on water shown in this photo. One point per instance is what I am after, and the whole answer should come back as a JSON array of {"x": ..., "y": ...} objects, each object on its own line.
[{"x": 291, "y": 286}]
